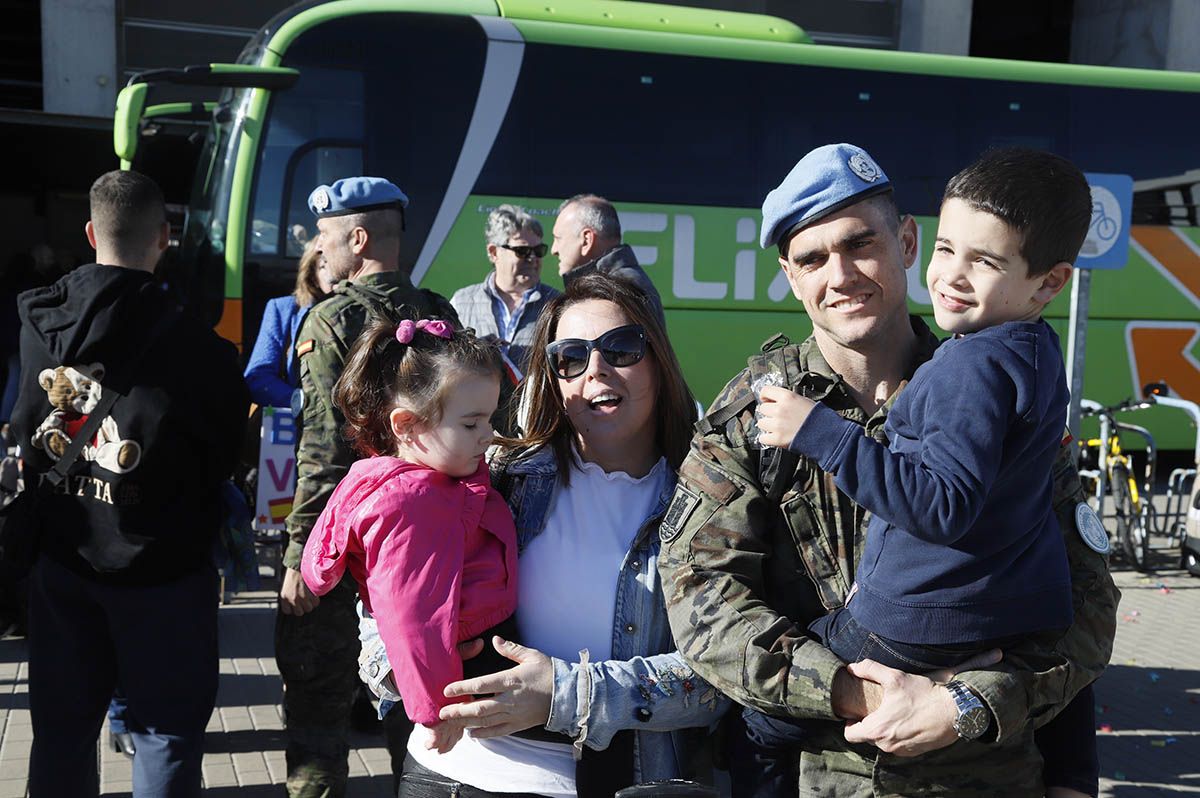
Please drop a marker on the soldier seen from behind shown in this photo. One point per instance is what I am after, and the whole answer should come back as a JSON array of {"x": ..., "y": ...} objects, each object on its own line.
[
  {"x": 123, "y": 590},
  {"x": 360, "y": 222}
]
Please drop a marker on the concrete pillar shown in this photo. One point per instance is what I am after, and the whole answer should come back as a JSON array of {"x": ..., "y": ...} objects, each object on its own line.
[
  {"x": 936, "y": 26},
  {"x": 79, "y": 57}
]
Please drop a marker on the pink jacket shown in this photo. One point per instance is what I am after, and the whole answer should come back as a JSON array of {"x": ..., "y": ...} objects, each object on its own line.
[{"x": 435, "y": 558}]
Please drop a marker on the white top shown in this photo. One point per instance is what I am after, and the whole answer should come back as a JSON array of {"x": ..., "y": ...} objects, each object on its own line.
[{"x": 569, "y": 606}]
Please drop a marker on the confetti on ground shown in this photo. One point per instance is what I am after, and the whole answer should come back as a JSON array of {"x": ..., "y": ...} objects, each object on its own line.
[
  {"x": 1158, "y": 743},
  {"x": 1171, "y": 740},
  {"x": 1135, "y": 613},
  {"x": 1154, "y": 677},
  {"x": 1119, "y": 775},
  {"x": 1168, "y": 711},
  {"x": 1164, "y": 590},
  {"x": 1106, "y": 728}
]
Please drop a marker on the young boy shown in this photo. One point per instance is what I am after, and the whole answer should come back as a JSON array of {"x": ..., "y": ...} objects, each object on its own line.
[{"x": 963, "y": 551}]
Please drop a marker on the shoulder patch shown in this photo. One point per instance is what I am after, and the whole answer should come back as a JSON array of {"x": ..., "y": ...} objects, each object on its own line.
[
  {"x": 304, "y": 347},
  {"x": 1088, "y": 524},
  {"x": 681, "y": 508}
]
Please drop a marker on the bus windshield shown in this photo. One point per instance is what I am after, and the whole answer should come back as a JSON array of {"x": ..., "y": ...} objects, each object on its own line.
[{"x": 200, "y": 268}]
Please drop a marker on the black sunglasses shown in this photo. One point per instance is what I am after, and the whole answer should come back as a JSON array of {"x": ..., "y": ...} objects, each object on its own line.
[
  {"x": 621, "y": 346},
  {"x": 524, "y": 251}
]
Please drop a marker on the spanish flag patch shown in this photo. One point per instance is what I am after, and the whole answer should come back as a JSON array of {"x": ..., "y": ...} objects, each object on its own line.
[{"x": 304, "y": 347}]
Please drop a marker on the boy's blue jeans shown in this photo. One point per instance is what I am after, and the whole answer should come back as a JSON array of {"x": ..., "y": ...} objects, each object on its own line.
[{"x": 765, "y": 748}]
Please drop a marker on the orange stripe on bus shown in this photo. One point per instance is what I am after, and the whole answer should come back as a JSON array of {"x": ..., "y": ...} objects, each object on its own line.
[
  {"x": 1165, "y": 245},
  {"x": 230, "y": 325}
]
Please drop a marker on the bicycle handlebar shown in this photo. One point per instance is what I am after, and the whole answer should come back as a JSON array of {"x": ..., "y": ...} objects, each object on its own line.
[{"x": 1088, "y": 407}]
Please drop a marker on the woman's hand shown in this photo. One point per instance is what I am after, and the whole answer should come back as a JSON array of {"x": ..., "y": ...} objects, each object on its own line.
[{"x": 513, "y": 700}]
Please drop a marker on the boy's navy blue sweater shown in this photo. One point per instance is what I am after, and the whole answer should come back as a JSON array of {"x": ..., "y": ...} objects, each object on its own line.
[{"x": 963, "y": 544}]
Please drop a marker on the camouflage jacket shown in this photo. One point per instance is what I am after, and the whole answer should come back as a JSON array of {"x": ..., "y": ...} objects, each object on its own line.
[
  {"x": 324, "y": 339},
  {"x": 758, "y": 543}
]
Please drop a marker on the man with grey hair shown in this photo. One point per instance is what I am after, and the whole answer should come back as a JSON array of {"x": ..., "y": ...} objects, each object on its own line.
[
  {"x": 587, "y": 238},
  {"x": 509, "y": 300}
]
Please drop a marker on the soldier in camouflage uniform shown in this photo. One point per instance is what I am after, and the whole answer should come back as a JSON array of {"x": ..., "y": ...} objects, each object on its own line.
[
  {"x": 758, "y": 542},
  {"x": 316, "y": 640}
]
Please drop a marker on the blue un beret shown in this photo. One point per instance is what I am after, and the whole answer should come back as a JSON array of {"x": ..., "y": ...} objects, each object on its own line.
[
  {"x": 826, "y": 180},
  {"x": 355, "y": 195}
]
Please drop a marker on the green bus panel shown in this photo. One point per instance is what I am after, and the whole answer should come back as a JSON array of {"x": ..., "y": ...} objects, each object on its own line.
[{"x": 1140, "y": 329}]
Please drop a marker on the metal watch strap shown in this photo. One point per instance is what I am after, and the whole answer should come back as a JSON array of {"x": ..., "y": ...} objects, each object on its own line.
[{"x": 973, "y": 717}]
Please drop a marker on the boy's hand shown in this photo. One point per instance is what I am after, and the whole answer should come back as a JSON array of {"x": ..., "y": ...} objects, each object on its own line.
[
  {"x": 780, "y": 414},
  {"x": 444, "y": 735}
]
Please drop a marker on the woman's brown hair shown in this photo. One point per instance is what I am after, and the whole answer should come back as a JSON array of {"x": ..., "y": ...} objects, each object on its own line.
[
  {"x": 546, "y": 422},
  {"x": 308, "y": 285},
  {"x": 381, "y": 373}
]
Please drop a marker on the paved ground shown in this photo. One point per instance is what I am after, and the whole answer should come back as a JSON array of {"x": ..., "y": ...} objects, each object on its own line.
[{"x": 1148, "y": 702}]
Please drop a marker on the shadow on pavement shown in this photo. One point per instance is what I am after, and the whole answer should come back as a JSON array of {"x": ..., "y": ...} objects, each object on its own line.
[{"x": 1149, "y": 721}]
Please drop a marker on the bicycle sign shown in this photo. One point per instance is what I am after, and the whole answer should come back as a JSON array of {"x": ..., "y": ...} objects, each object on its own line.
[{"x": 1107, "y": 242}]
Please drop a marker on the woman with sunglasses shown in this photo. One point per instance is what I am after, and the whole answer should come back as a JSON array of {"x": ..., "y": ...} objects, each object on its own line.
[
  {"x": 609, "y": 421},
  {"x": 510, "y": 299}
]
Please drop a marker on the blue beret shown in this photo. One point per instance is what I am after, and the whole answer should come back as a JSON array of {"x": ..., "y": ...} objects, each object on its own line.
[
  {"x": 826, "y": 180},
  {"x": 355, "y": 195}
]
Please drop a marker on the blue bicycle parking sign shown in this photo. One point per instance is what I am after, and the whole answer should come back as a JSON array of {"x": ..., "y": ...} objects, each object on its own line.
[{"x": 1107, "y": 242}]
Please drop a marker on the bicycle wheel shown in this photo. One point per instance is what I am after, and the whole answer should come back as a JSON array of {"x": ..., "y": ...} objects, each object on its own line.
[{"x": 1131, "y": 532}]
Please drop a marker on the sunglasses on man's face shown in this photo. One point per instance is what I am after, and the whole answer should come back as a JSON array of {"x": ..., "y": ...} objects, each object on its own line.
[
  {"x": 620, "y": 346},
  {"x": 525, "y": 252}
]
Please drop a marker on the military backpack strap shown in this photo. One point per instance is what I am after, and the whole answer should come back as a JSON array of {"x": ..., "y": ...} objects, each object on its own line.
[
  {"x": 776, "y": 467},
  {"x": 718, "y": 418},
  {"x": 378, "y": 305}
]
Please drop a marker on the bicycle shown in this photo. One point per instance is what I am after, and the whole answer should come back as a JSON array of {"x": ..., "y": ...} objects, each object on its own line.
[
  {"x": 1115, "y": 473},
  {"x": 1181, "y": 497}
]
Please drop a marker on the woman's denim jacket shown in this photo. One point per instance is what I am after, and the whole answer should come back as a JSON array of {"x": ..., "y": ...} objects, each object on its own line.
[{"x": 646, "y": 686}]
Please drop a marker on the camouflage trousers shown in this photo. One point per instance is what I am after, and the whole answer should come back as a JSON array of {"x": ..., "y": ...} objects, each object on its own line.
[{"x": 317, "y": 654}]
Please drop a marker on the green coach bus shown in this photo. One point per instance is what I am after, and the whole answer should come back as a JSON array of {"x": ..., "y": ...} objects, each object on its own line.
[{"x": 685, "y": 118}]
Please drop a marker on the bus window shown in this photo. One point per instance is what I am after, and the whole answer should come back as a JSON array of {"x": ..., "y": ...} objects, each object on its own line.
[
  {"x": 400, "y": 88},
  {"x": 316, "y": 164},
  {"x": 325, "y": 104}
]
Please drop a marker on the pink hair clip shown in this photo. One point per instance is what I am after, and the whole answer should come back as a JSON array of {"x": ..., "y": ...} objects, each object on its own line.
[
  {"x": 441, "y": 329},
  {"x": 406, "y": 329}
]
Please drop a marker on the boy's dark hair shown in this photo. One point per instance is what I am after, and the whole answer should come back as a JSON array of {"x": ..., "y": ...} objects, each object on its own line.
[
  {"x": 1042, "y": 196},
  {"x": 127, "y": 209},
  {"x": 381, "y": 372}
]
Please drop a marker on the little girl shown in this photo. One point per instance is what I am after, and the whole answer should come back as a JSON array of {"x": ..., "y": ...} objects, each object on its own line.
[{"x": 431, "y": 544}]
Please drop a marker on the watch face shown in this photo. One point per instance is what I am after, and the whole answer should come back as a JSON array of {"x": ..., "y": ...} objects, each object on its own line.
[{"x": 972, "y": 723}]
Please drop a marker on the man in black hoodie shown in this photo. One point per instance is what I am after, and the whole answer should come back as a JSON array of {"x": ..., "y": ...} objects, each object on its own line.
[{"x": 124, "y": 589}]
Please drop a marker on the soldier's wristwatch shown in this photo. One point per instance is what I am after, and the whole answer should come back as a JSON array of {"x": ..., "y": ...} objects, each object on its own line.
[{"x": 973, "y": 717}]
